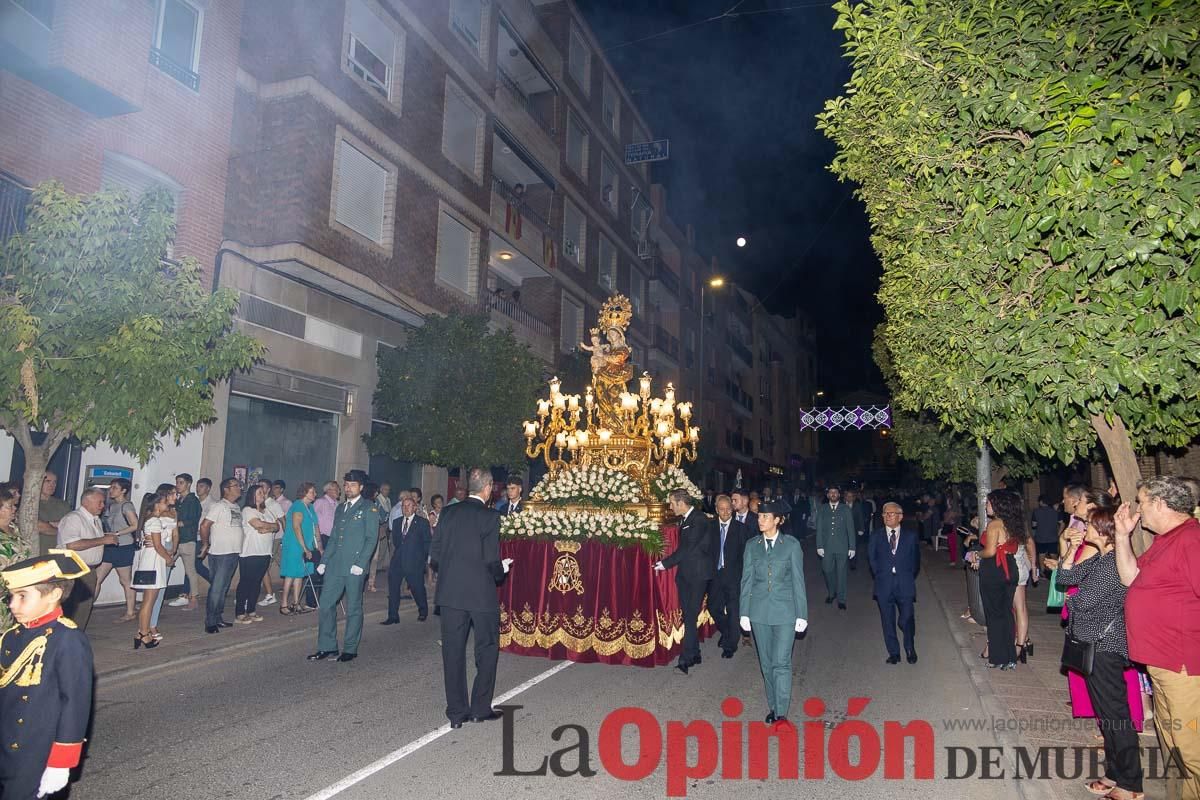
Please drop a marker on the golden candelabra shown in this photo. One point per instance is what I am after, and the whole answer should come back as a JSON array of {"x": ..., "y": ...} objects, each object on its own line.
[{"x": 610, "y": 426}]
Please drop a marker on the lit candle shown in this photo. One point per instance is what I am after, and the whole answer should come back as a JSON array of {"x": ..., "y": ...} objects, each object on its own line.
[
  {"x": 572, "y": 442},
  {"x": 656, "y": 405},
  {"x": 668, "y": 443},
  {"x": 560, "y": 440},
  {"x": 662, "y": 429},
  {"x": 560, "y": 402},
  {"x": 589, "y": 401},
  {"x": 669, "y": 397},
  {"x": 645, "y": 384},
  {"x": 573, "y": 402},
  {"x": 605, "y": 435},
  {"x": 555, "y": 385},
  {"x": 685, "y": 410},
  {"x": 694, "y": 434},
  {"x": 629, "y": 401},
  {"x": 530, "y": 430},
  {"x": 543, "y": 407},
  {"x": 582, "y": 437}
]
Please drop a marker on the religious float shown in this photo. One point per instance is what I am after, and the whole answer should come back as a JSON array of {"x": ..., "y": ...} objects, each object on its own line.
[{"x": 583, "y": 587}]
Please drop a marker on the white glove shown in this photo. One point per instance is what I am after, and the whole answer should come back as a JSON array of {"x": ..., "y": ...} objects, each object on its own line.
[
  {"x": 850, "y": 554},
  {"x": 54, "y": 779},
  {"x": 507, "y": 564},
  {"x": 355, "y": 569},
  {"x": 658, "y": 566},
  {"x": 744, "y": 622},
  {"x": 801, "y": 625},
  {"x": 821, "y": 552},
  {"x": 320, "y": 569}
]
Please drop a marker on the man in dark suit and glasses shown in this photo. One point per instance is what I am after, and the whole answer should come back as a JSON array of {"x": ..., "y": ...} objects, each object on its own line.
[
  {"x": 466, "y": 556},
  {"x": 895, "y": 556},
  {"x": 411, "y": 541},
  {"x": 724, "y": 590},
  {"x": 696, "y": 564}
]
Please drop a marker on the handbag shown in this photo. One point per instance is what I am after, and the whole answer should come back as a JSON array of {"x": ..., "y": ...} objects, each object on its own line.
[
  {"x": 1079, "y": 656},
  {"x": 144, "y": 577},
  {"x": 1055, "y": 597}
]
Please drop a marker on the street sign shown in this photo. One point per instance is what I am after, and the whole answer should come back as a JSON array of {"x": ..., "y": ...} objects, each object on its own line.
[{"x": 658, "y": 150}]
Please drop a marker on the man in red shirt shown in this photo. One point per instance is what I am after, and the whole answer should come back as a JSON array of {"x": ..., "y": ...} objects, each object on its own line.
[{"x": 1162, "y": 613}]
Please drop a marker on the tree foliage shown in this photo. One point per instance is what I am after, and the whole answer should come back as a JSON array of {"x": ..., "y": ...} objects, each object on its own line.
[
  {"x": 458, "y": 395},
  {"x": 1030, "y": 172},
  {"x": 100, "y": 338}
]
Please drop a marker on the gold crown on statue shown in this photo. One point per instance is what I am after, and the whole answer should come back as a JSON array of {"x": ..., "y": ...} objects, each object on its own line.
[
  {"x": 567, "y": 546},
  {"x": 616, "y": 312}
]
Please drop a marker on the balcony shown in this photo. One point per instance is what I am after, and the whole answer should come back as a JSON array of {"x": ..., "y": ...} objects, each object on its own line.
[
  {"x": 740, "y": 350},
  {"x": 541, "y": 109},
  {"x": 661, "y": 273},
  {"x": 511, "y": 199},
  {"x": 660, "y": 339},
  {"x": 176, "y": 71},
  {"x": 14, "y": 199},
  {"x": 526, "y": 327}
]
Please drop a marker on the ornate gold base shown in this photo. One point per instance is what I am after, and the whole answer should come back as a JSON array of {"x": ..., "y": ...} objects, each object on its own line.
[{"x": 654, "y": 511}]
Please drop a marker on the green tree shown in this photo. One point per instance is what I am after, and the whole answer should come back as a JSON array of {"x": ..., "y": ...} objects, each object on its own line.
[
  {"x": 100, "y": 337},
  {"x": 1030, "y": 172},
  {"x": 459, "y": 394}
]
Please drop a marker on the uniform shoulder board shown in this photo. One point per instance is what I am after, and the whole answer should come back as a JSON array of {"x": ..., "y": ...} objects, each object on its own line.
[
  {"x": 375, "y": 509},
  {"x": 67, "y": 622}
]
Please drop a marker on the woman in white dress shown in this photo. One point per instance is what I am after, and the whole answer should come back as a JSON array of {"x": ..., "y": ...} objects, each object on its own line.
[
  {"x": 152, "y": 563},
  {"x": 1025, "y": 557}
]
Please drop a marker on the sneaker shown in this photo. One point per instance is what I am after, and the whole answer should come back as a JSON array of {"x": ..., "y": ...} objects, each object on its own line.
[
  {"x": 178, "y": 602},
  {"x": 268, "y": 600}
]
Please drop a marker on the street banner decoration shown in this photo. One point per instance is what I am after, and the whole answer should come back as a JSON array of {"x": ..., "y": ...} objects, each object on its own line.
[{"x": 844, "y": 418}]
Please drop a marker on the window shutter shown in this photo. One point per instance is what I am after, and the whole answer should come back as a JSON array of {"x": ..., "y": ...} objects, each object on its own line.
[
  {"x": 455, "y": 253},
  {"x": 360, "y": 195}
]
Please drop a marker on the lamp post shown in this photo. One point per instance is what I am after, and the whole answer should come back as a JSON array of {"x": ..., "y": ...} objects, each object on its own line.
[{"x": 715, "y": 282}]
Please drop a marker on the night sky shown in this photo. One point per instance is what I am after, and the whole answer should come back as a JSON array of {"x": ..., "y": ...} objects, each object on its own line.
[{"x": 738, "y": 97}]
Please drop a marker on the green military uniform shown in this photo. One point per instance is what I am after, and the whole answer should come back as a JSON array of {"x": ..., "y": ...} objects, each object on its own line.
[
  {"x": 774, "y": 598},
  {"x": 351, "y": 543},
  {"x": 835, "y": 535}
]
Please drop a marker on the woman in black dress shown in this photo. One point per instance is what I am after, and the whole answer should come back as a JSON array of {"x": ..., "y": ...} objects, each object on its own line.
[{"x": 997, "y": 566}]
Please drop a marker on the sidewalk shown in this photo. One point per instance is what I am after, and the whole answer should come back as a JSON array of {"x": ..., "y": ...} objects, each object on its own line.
[
  {"x": 1030, "y": 702},
  {"x": 184, "y": 638}
]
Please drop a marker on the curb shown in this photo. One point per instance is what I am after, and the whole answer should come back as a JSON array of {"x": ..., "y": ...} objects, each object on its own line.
[
  {"x": 991, "y": 705},
  {"x": 125, "y": 673}
]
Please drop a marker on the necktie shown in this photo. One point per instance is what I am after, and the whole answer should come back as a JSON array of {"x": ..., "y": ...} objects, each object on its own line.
[
  {"x": 721, "y": 554},
  {"x": 892, "y": 540},
  {"x": 770, "y": 543},
  {"x": 404, "y": 530}
]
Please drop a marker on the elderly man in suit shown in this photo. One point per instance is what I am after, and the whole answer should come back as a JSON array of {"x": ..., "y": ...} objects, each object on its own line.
[
  {"x": 835, "y": 543},
  {"x": 696, "y": 565},
  {"x": 724, "y": 590},
  {"x": 774, "y": 603},
  {"x": 411, "y": 541},
  {"x": 894, "y": 553},
  {"x": 466, "y": 556}
]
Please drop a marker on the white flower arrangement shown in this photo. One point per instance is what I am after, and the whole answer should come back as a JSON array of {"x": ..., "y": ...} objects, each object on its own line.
[
  {"x": 611, "y": 527},
  {"x": 591, "y": 485},
  {"x": 673, "y": 478}
]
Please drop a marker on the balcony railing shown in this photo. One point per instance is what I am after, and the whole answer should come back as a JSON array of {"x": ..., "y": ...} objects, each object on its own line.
[
  {"x": 176, "y": 71},
  {"x": 14, "y": 199},
  {"x": 740, "y": 350},
  {"x": 538, "y": 114},
  {"x": 516, "y": 313},
  {"x": 527, "y": 211},
  {"x": 661, "y": 272},
  {"x": 665, "y": 341}
]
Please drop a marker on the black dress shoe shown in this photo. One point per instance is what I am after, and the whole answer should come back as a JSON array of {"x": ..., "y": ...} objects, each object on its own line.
[
  {"x": 488, "y": 717},
  {"x": 390, "y": 621},
  {"x": 344, "y": 657},
  {"x": 893, "y": 659},
  {"x": 224, "y": 624},
  {"x": 842, "y": 606},
  {"x": 829, "y": 600},
  {"x": 770, "y": 717},
  {"x": 321, "y": 655},
  {"x": 912, "y": 658},
  {"x": 682, "y": 667},
  {"x": 781, "y": 721},
  {"x": 696, "y": 661},
  {"x": 422, "y": 617},
  {"x": 456, "y": 725},
  {"x": 727, "y": 654},
  {"x": 211, "y": 629}
]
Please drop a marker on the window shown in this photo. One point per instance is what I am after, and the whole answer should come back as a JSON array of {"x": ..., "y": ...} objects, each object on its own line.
[
  {"x": 462, "y": 132},
  {"x": 360, "y": 185},
  {"x": 574, "y": 232},
  {"x": 122, "y": 173},
  {"x": 374, "y": 49},
  {"x": 577, "y": 145},
  {"x": 610, "y": 187},
  {"x": 457, "y": 253},
  {"x": 579, "y": 59},
  {"x": 177, "y": 41},
  {"x": 571, "y": 331},
  {"x": 466, "y": 19},
  {"x": 612, "y": 108},
  {"x": 637, "y": 290},
  {"x": 607, "y": 277}
]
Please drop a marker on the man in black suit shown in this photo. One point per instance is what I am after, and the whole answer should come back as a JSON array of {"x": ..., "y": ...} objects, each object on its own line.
[
  {"x": 411, "y": 540},
  {"x": 724, "y": 590},
  {"x": 742, "y": 512},
  {"x": 466, "y": 555},
  {"x": 513, "y": 502},
  {"x": 696, "y": 562},
  {"x": 894, "y": 553}
]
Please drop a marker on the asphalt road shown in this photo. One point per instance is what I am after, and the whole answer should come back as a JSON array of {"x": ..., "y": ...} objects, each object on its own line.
[{"x": 265, "y": 723}]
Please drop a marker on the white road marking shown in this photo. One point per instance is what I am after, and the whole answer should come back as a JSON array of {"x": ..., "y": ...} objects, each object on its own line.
[{"x": 410, "y": 748}]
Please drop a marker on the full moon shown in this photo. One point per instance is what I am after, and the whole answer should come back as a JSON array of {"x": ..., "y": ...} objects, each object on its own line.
[{"x": 741, "y": 241}]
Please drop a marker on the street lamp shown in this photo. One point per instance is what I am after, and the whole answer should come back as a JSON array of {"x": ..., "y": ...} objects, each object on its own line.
[{"x": 715, "y": 282}]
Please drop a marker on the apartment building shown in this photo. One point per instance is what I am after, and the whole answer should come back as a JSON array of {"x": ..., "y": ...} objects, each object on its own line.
[{"x": 117, "y": 94}]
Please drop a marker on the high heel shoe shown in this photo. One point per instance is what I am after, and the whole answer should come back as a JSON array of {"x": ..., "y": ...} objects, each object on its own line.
[
  {"x": 140, "y": 641},
  {"x": 1029, "y": 648},
  {"x": 1022, "y": 654}
]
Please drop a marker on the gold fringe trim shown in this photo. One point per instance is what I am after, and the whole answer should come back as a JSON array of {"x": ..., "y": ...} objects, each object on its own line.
[{"x": 633, "y": 636}]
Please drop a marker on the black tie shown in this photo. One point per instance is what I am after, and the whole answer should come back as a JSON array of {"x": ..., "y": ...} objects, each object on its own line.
[
  {"x": 892, "y": 540},
  {"x": 770, "y": 543}
]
